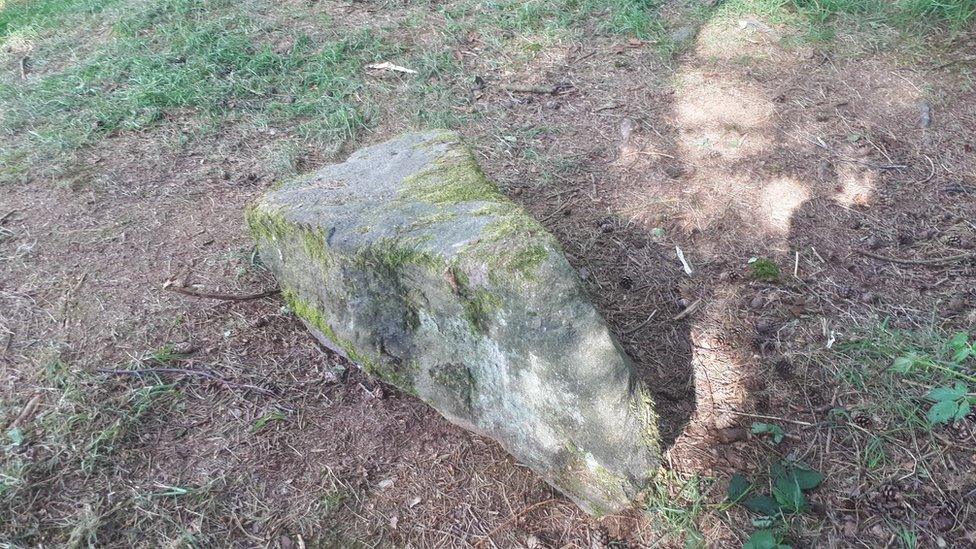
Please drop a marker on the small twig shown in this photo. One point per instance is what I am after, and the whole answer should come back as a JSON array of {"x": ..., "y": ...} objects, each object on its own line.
[
  {"x": 819, "y": 142},
  {"x": 183, "y": 371},
  {"x": 932, "y": 261},
  {"x": 931, "y": 173},
  {"x": 221, "y": 297},
  {"x": 629, "y": 331},
  {"x": 515, "y": 516},
  {"x": 519, "y": 88},
  {"x": 6, "y": 215},
  {"x": 23, "y": 68},
  {"x": 687, "y": 310},
  {"x": 760, "y": 416},
  {"x": 26, "y": 412}
]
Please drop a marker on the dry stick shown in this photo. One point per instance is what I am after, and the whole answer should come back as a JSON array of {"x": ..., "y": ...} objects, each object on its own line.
[
  {"x": 184, "y": 371},
  {"x": 629, "y": 331},
  {"x": 760, "y": 416},
  {"x": 6, "y": 215},
  {"x": 23, "y": 68},
  {"x": 518, "y": 88},
  {"x": 931, "y": 173},
  {"x": 222, "y": 297},
  {"x": 824, "y": 146},
  {"x": 688, "y": 310},
  {"x": 515, "y": 516},
  {"x": 26, "y": 412},
  {"x": 933, "y": 261}
]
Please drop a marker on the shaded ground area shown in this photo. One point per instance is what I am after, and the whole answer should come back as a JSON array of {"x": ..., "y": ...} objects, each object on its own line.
[{"x": 822, "y": 192}]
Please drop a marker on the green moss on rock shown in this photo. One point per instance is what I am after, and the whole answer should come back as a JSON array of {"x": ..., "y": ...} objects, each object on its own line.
[
  {"x": 452, "y": 179},
  {"x": 392, "y": 255}
]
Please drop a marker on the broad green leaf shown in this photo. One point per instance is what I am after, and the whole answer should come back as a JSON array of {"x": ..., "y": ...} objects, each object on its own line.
[
  {"x": 807, "y": 479},
  {"x": 959, "y": 340},
  {"x": 778, "y": 471},
  {"x": 764, "y": 539},
  {"x": 789, "y": 495},
  {"x": 942, "y": 411},
  {"x": 739, "y": 486},
  {"x": 963, "y": 410},
  {"x": 763, "y": 505},
  {"x": 903, "y": 364},
  {"x": 962, "y": 354},
  {"x": 947, "y": 393},
  {"x": 775, "y": 431},
  {"x": 761, "y": 539}
]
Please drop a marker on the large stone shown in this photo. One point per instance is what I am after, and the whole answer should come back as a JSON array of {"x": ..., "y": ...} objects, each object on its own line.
[{"x": 409, "y": 262}]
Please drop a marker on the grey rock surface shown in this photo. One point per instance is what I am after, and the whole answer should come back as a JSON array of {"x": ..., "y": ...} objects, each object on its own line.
[{"x": 412, "y": 264}]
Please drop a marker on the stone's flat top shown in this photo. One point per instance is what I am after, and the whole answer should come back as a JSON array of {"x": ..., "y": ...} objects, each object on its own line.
[
  {"x": 378, "y": 171},
  {"x": 411, "y": 263}
]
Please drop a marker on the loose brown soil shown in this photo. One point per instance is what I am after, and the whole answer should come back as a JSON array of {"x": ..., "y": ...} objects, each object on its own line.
[{"x": 742, "y": 149}]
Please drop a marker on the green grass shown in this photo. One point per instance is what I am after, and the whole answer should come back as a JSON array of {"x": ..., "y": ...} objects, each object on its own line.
[
  {"x": 83, "y": 471},
  {"x": 199, "y": 67},
  {"x": 27, "y": 17},
  {"x": 892, "y": 374},
  {"x": 202, "y": 59},
  {"x": 821, "y": 20},
  {"x": 624, "y": 17}
]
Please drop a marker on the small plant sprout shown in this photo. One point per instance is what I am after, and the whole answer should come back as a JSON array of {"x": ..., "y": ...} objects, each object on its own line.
[
  {"x": 774, "y": 431},
  {"x": 764, "y": 539},
  {"x": 765, "y": 270},
  {"x": 789, "y": 482},
  {"x": 950, "y": 404}
]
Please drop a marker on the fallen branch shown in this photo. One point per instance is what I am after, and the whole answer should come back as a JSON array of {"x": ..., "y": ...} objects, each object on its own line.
[
  {"x": 932, "y": 261},
  {"x": 183, "y": 371},
  {"x": 509, "y": 520},
  {"x": 519, "y": 88},
  {"x": 222, "y": 297},
  {"x": 26, "y": 413},
  {"x": 629, "y": 331},
  {"x": 687, "y": 311}
]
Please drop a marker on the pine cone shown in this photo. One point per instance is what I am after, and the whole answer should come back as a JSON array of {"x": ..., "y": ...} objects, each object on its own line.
[
  {"x": 863, "y": 421},
  {"x": 599, "y": 538},
  {"x": 961, "y": 430}
]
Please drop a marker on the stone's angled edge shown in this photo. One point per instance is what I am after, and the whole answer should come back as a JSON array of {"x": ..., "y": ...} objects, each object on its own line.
[{"x": 407, "y": 260}]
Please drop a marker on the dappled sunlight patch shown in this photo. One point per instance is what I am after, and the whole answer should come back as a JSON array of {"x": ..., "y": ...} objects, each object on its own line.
[
  {"x": 720, "y": 115},
  {"x": 779, "y": 199},
  {"x": 855, "y": 185}
]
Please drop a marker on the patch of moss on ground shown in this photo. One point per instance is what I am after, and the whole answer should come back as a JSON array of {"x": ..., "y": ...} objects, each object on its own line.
[{"x": 765, "y": 270}]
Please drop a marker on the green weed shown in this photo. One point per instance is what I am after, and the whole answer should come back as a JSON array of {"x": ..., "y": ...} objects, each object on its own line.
[
  {"x": 677, "y": 503},
  {"x": 820, "y": 20},
  {"x": 26, "y": 17},
  {"x": 202, "y": 59},
  {"x": 765, "y": 270}
]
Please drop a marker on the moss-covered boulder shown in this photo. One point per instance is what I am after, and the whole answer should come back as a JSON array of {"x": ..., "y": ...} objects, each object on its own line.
[{"x": 412, "y": 264}]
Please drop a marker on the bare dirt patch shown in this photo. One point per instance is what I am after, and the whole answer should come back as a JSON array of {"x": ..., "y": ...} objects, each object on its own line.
[{"x": 836, "y": 170}]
